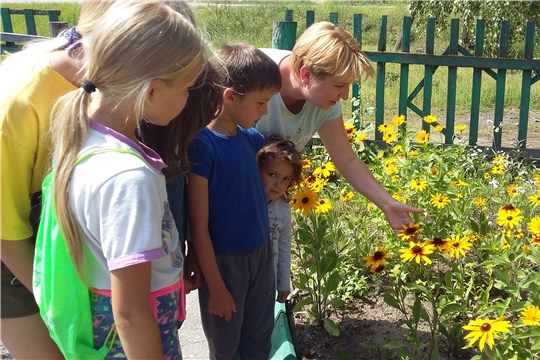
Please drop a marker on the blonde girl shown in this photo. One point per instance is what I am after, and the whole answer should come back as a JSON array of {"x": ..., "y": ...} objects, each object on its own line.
[{"x": 142, "y": 59}]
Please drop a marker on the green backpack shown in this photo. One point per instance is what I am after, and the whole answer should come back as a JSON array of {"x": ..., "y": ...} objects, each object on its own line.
[{"x": 63, "y": 298}]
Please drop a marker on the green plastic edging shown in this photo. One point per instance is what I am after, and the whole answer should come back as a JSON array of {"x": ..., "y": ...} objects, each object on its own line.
[{"x": 282, "y": 345}]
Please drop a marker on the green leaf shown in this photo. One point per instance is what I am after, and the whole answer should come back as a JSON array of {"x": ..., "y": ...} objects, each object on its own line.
[
  {"x": 302, "y": 303},
  {"x": 536, "y": 345},
  {"x": 337, "y": 302},
  {"x": 392, "y": 301},
  {"x": 331, "y": 327},
  {"x": 393, "y": 344},
  {"x": 451, "y": 308},
  {"x": 417, "y": 307},
  {"x": 332, "y": 283},
  {"x": 502, "y": 276},
  {"x": 448, "y": 279},
  {"x": 418, "y": 288},
  {"x": 435, "y": 353}
]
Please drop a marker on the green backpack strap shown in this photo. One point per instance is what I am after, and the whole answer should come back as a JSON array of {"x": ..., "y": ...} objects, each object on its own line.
[{"x": 63, "y": 298}]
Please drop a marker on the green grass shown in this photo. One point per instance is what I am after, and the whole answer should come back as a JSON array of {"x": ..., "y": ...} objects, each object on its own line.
[{"x": 253, "y": 23}]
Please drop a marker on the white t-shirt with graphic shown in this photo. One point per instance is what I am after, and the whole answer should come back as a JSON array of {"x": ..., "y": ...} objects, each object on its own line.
[{"x": 279, "y": 213}]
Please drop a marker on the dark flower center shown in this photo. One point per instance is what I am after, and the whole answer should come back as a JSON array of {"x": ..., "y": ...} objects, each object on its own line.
[
  {"x": 486, "y": 327},
  {"x": 509, "y": 218},
  {"x": 379, "y": 268},
  {"x": 438, "y": 241},
  {"x": 378, "y": 255},
  {"x": 456, "y": 244},
  {"x": 321, "y": 202},
  {"x": 323, "y": 167},
  {"x": 509, "y": 207},
  {"x": 417, "y": 249},
  {"x": 305, "y": 200},
  {"x": 411, "y": 230}
]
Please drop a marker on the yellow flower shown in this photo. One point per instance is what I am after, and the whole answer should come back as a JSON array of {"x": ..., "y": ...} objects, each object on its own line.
[
  {"x": 348, "y": 196},
  {"x": 430, "y": 119},
  {"x": 419, "y": 185},
  {"x": 361, "y": 137},
  {"x": 409, "y": 231},
  {"x": 534, "y": 225},
  {"x": 486, "y": 330},
  {"x": 323, "y": 206},
  {"x": 390, "y": 169},
  {"x": 537, "y": 178},
  {"x": 439, "y": 201},
  {"x": 508, "y": 209},
  {"x": 486, "y": 176},
  {"x": 377, "y": 257},
  {"x": 535, "y": 199},
  {"x": 508, "y": 219},
  {"x": 306, "y": 163},
  {"x": 325, "y": 170},
  {"x": 499, "y": 159},
  {"x": 438, "y": 243},
  {"x": 434, "y": 171},
  {"x": 394, "y": 178},
  {"x": 526, "y": 249},
  {"x": 461, "y": 127},
  {"x": 512, "y": 190},
  {"x": 506, "y": 244},
  {"x": 422, "y": 137},
  {"x": 413, "y": 153},
  {"x": 380, "y": 155},
  {"x": 497, "y": 169},
  {"x": 530, "y": 316},
  {"x": 398, "y": 120},
  {"x": 318, "y": 184},
  {"x": 459, "y": 195},
  {"x": 479, "y": 202},
  {"x": 379, "y": 269},
  {"x": 457, "y": 246},
  {"x": 535, "y": 241},
  {"x": 397, "y": 148},
  {"x": 384, "y": 128},
  {"x": 389, "y": 136},
  {"x": 304, "y": 201},
  {"x": 417, "y": 251},
  {"x": 439, "y": 128}
]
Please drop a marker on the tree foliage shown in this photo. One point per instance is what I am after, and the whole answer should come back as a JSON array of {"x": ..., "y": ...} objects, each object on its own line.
[{"x": 493, "y": 12}]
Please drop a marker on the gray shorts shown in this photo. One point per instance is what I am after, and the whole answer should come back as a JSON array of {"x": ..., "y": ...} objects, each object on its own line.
[{"x": 16, "y": 300}]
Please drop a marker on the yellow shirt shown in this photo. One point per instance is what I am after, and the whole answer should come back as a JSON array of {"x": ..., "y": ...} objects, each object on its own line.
[{"x": 27, "y": 94}]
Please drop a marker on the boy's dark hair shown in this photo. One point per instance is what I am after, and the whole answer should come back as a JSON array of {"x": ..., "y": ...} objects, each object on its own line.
[
  {"x": 275, "y": 148},
  {"x": 203, "y": 105},
  {"x": 248, "y": 68}
]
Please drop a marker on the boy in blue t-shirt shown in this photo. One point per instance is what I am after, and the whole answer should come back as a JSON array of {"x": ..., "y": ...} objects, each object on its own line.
[{"x": 228, "y": 212}]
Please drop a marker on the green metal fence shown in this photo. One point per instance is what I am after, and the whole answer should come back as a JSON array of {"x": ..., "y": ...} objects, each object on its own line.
[{"x": 455, "y": 56}]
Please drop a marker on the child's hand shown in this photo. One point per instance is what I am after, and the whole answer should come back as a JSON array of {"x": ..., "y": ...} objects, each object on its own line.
[
  {"x": 221, "y": 303},
  {"x": 282, "y": 296},
  {"x": 193, "y": 274}
]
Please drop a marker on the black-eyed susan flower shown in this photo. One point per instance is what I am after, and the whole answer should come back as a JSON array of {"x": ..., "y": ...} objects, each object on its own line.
[
  {"x": 512, "y": 190},
  {"x": 439, "y": 200},
  {"x": 419, "y": 185},
  {"x": 508, "y": 209},
  {"x": 417, "y": 251},
  {"x": 397, "y": 149},
  {"x": 499, "y": 159},
  {"x": 526, "y": 249},
  {"x": 378, "y": 270},
  {"x": 486, "y": 330},
  {"x": 461, "y": 128},
  {"x": 534, "y": 225},
  {"x": 377, "y": 257},
  {"x": 384, "y": 128},
  {"x": 413, "y": 153},
  {"x": 361, "y": 137},
  {"x": 434, "y": 171},
  {"x": 497, "y": 169},
  {"x": 537, "y": 178},
  {"x": 457, "y": 246},
  {"x": 398, "y": 120},
  {"x": 422, "y": 137},
  {"x": 347, "y": 196},
  {"x": 306, "y": 163},
  {"x": 305, "y": 201},
  {"x": 479, "y": 202},
  {"x": 506, "y": 245},
  {"x": 438, "y": 243},
  {"x": 323, "y": 206},
  {"x": 389, "y": 136},
  {"x": 487, "y": 175},
  {"x": 439, "y": 128},
  {"x": 325, "y": 170},
  {"x": 409, "y": 231},
  {"x": 535, "y": 241},
  {"x": 535, "y": 199},
  {"x": 508, "y": 219},
  {"x": 430, "y": 119},
  {"x": 530, "y": 316},
  {"x": 318, "y": 184}
]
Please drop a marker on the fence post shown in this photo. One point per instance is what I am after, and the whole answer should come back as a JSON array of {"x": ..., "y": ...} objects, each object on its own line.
[
  {"x": 428, "y": 72},
  {"x": 357, "y": 33},
  {"x": 284, "y": 32},
  {"x": 56, "y": 27},
  {"x": 500, "y": 85},
  {"x": 404, "y": 68},
  {"x": 477, "y": 83},
  {"x": 310, "y": 18},
  {"x": 381, "y": 73},
  {"x": 334, "y": 18},
  {"x": 526, "y": 87},
  {"x": 452, "y": 81}
]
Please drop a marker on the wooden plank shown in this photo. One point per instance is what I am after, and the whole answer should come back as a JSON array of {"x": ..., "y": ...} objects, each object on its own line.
[
  {"x": 526, "y": 87},
  {"x": 428, "y": 72},
  {"x": 459, "y": 61},
  {"x": 404, "y": 70},
  {"x": 19, "y": 38},
  {"x": 452, "y": 84},
  {"x": 6, "y": 20},
  {"x": 334, "y": 18},
  {"x": 500, "y": 85},
  {"x": 310, "y": 18},
  {"x": 381, "y": 73},
  {"x": 356, "y": 87},
  {"x": 477, "y": 84}
]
